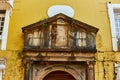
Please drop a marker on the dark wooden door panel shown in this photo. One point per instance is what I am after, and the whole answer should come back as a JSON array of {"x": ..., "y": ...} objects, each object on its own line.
[{"x": 59, "y": 75}]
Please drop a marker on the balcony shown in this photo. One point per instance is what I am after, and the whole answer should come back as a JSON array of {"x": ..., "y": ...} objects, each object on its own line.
[
  {"x": 59, "y": 33},
  {"x": 59, "y": 40},
  {"x": 6, "y": 4}
]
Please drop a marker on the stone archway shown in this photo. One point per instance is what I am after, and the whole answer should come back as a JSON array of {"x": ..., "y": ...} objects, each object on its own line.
[
  {"x": 66, "y": 69},
  {"x": 59, "y": 75},
  {"x": 80, "y": 71}
]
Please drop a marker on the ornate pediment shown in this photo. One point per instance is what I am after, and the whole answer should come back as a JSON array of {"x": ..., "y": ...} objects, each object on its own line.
[{"x": 60, "y": 33}]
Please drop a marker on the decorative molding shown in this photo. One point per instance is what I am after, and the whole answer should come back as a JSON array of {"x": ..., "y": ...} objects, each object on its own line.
[
  {"x": 11, "y": 3},
  {"x": 90, "y": 64},
  {"x": 6, "y": 4},
  {"x": 59, "y": 67}
]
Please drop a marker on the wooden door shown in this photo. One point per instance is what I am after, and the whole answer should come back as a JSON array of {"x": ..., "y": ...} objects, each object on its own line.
[{"x": 59, "y": 75}]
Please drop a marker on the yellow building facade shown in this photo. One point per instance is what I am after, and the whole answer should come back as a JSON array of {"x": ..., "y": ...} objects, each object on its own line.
[{"x": 95, "y": 13}]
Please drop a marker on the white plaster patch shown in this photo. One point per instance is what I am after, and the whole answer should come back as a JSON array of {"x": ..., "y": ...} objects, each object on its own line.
[{"x": 56, "y": 9}]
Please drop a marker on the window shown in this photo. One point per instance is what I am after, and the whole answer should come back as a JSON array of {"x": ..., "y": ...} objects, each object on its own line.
[
  {"x": 4, "y": 23},
  {"x": 117, "y": 22},
  {"x": 5, "y": 11},
  {"x": 2, "y": 20},
  {"x": 79, "y": 37},
  {"x": 114, "y": 15},
  {"x": 117, "y": 26}
]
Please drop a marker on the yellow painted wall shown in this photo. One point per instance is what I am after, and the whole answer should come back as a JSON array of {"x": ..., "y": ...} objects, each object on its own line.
[{"x": 93, "y": 12}]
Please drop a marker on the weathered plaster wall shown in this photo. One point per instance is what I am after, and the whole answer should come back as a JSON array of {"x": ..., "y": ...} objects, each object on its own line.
[
  {"x": 105, "y": 65},
  {"x": 14, "y": 65}
]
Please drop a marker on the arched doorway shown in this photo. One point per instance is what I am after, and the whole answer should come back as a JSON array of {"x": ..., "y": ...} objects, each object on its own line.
[{"x": 59, "y": 75}]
